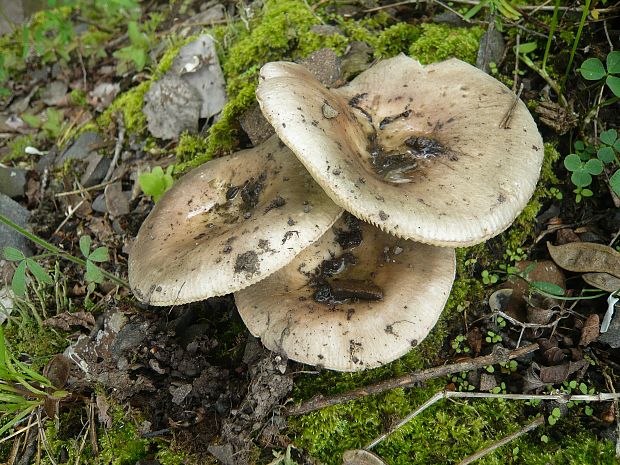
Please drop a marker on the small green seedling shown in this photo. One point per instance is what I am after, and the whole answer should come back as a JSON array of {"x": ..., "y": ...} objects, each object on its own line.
[
  {"x": 137, "y": 52},
  {"x": 157, "y": 182},
  {"x": 492, "y": 337},
  {"x": 555, "y": 415},
  {"x": 489, "y": 278},
  {"x": 458, "y": 344},
  {"x": 582, "y": 172},
  {"x": 608, "y": 153},
  {"x": 24, "y": 264},
  {"x": 93, "y": 274},
  {"x": 593, "y": 70}
]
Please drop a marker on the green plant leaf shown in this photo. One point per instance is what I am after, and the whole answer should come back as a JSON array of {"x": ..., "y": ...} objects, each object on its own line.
[
  {"x": 93, "y": 273},
  {"x": 592, "y": 69},
  {"x": 617, "y": 145},
  {"x": 156, "y": 183},
  {"x": 38, "y": 271},
  {"x": 614, "y": 182},
  {"x": 613, "y": 62},
  {"x": 527, "y": 47},
  {"x": 581, "y": 178},
  {"x": 594, "y": 166},
  {"x": 609, "y": 137},
  {"x": 85, "y": 242},
  {"x": 613, "y": 83},
  {"x": 606, "y": 154},
  {"x": 12, "y": 254},
  {"x": 587, "y": 193},
  {"x": 32, "y": 120},
  {"x": 572, "y": 162},
  {"x": 100, "y": 254},
  {"x": 556, "y": 412},
  {"x": 18, "y": 284},
  {"x": 474, "y": 10},
  {"x": 548, "y": 287}
]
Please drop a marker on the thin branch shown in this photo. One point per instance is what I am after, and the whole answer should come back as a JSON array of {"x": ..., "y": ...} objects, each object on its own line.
[
  {"x": 498, "y": 355},
  {"x": 502, "y": 442},
  {"x": 119, "y": 146}
]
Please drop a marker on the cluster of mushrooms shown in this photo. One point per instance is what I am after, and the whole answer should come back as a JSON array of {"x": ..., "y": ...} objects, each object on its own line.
[{"x": 416, "y": 156}]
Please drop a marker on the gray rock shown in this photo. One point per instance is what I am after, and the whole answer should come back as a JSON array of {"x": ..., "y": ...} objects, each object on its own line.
[
  {"x": 255, "y": 125},
  {"x": 12, "y": 181},
  {"x": 210, "y": 15},
  {"x": 54, "y": 93},
  {"x": 116, "y": 201},
  {"x": 99, "y": 204},
  {"x": 171, "y": 107},
  {"x": 95, "y": 170},
  {"x": 86, "y": 144},
  {"x": 491, "y": 49},
  {"x": 19, "y": 215},
  {"x": 324, "y": 64},
  {"x": 198, "y": 65}
]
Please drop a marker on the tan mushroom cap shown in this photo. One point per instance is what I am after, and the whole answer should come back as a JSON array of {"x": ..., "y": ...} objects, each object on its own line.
[
  {"x": 228, "y": 224},
  {"x": 415, "y": 150},
  {"x": 355, "y": 334}
]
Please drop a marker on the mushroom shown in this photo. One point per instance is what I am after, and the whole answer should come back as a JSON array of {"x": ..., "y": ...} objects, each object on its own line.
[
  {"x": 358, "y": 298},
  {"x": 228, "y": 224},
  {"x": 416, "y": 150}
]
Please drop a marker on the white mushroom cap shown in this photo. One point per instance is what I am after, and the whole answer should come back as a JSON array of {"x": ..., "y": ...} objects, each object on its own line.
[
  {"x": 416, "y": 150},
  {"x": 228, "y": 224},
  {"x": 414, "y": 278}
]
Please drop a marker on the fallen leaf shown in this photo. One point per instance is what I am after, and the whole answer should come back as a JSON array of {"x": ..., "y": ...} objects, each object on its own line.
[
  {"x": 586, "y": 257},
  {"x": 57, "y": 371},
  {"x": 474, "y": 339},
  {"x": 560, "y": 373},
  {"x": 604, "y": 281},
  {"x": 590, "y": 330},
  {"x": 66, "y": 320},
  {"x": 102, "y": 411}
]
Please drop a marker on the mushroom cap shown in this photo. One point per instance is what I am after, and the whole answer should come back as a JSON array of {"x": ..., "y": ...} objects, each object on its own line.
[
  {"x": 354, "y": 334},
  {"x": 415, "y": 150},
  {"x": 228, "y": 224}
]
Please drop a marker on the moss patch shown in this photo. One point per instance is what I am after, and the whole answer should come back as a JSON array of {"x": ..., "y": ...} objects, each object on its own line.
[
  {"x": 130, "y": 103},
  {"x": 439, "y": 42}
]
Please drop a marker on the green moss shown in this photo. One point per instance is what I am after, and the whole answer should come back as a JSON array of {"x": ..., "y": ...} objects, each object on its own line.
[
  {"x": 121, "y": 444},
  {"x": 18, "y": 146},
  {"x": 396, "y": 39},
  {"x": 130, "y": 103},
  {"x": 312, "y": 41},
  {"x": 192, "y": 146},
  {"x": 439, "y": 42},
  {"x": 39, "y": 342}
]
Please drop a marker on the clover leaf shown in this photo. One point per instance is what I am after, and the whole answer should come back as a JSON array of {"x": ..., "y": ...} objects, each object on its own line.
[
  {"x": 582, "y": 172},
  {"x": 593, "y": 70}
]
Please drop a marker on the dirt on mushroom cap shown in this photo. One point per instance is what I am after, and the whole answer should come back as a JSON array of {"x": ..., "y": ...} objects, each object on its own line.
[
  {"x": 351, "y": 334},
  {"x": 228, "y": 224},
  {"x": 416, "y": 150}
]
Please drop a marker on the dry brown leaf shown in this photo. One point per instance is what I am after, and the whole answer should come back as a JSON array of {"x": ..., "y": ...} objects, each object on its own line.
[
  {"x": 66, "y": 320},
  {"x": 560, "y": 373},
  {"x": 604, "y": 281},
  {"x": 590, "y": 330},
  {"x": 586, "y": 257},
  {"x": 57, "y": 371}
]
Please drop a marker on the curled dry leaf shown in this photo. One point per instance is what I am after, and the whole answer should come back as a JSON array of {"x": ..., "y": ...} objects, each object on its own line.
[
  {"x": 66, "y": 320},
  {"x": 590, "y": 331},
  {"x": 586, "y": 257},
  {"x": 604, "y": 281}
]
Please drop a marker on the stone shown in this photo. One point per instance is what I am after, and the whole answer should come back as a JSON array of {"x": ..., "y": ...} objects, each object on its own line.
[
  {"x": 324, "y": 64},
  {"x": 198, "y": 65},
  {"x": 87, "y": 143},
  {"x": 255, "y": 125},
  {"x": 171, "y": 107},
  {"x": 95, "y": 170},
  {"x": 12, "y": 181},
  {"x": 54, "y": 93},
  {"x": 19, "y": 215},
  {"x": 116, "y": 201},
  {"x": 491, "y": 49}
]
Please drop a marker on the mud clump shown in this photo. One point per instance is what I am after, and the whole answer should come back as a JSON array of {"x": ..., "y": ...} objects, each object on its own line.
[{"x": 247, "y": 263}]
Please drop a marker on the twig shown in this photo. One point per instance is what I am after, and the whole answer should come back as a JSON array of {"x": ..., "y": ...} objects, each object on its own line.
[
  {"x": 119, "y": 146},
  {"x": 610, "y": 386},
  {"x": 515, "y": 76},
  {"x": 70, "y": 211},
  {"x": 505, "y": 122},
  {"x": 498, "y": 355},
  {"x": 611, "y": 44},
  {"x": 505, "y": 440},
  {"x": 86, "y": 189}
]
